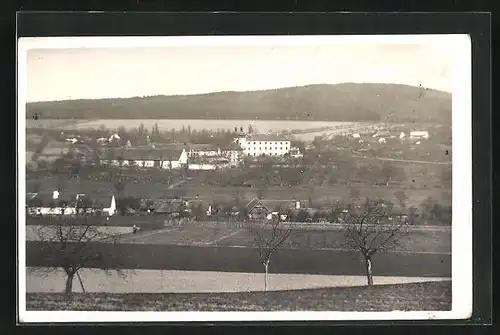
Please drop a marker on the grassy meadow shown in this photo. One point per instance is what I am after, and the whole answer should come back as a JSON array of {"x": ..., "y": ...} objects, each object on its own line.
[{"x": 425, "y": 296}]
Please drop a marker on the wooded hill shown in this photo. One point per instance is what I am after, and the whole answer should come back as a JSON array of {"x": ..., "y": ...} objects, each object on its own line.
[{"x": 341, "y": 102}]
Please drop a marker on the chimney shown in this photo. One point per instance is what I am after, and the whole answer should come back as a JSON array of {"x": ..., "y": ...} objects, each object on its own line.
[{"x": 297, "y": 205}]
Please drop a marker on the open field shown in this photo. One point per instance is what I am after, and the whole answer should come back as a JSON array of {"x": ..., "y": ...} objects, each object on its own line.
[
  {"x": 321, "y": 195},
  {"x": 428, "y": 296},
  {"x": 33, "y": 232},
  {"x": 173, "y": 281},
  {"x": 416, "y": 241},
  {"x": 423, "y": 239},
  {"x": 237, "y": 259}
]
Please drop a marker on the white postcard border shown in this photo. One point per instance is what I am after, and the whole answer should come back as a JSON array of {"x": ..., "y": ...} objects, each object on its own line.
[{"x": 462, "y": 176}]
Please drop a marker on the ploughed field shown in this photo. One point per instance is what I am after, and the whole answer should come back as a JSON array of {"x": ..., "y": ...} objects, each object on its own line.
[{"x": 425, "y": 253}]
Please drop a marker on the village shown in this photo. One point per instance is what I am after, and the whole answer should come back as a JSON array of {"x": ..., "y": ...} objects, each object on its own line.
[{"x": 130, "y": 157}]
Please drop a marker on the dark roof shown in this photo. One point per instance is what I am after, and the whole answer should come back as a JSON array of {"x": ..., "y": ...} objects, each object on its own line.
[
  {"x": 267, "y": 137},
  {"x": 101, "y": 201},
  {"x": 169, "y": 206},
  {"x": 256, "y": 203},
  {"x": 150, "y": 154},
  {"x": 283, "y": 204},
  {"x": 46, "y": 199}
]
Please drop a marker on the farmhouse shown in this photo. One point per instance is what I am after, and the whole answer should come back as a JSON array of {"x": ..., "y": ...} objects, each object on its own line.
[
  {"x": 264, "y": 145},
  {"x": 165, "y": 158},
  {"x": 257, "y": 210},
  {"x": 171, "y": 207},
  {"x": 56, "y": 203}
]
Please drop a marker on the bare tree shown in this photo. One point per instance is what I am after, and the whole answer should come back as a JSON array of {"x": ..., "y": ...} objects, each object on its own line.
[
  {"x": 372, "y": 228},
  {"x": 269, "y": 238},
  {"x": 74, "y": 245}
]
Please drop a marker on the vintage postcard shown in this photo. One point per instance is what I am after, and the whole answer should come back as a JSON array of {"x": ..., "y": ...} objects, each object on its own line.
[{"x": 244, "y": 178}]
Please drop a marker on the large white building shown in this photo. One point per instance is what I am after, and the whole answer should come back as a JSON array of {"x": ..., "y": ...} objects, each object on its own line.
[{"x": 264, "y": 145}]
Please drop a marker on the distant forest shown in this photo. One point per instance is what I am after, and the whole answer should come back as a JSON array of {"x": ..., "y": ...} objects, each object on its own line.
[{"x": 342, "y": 102}]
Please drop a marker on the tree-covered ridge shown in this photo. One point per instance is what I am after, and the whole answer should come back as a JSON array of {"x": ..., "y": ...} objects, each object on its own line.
[{"x": 341, "y": 102}]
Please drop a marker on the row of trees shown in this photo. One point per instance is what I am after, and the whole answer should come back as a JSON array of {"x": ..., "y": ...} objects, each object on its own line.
[
  {"x": 368, "y": 229},
  {"x": 219, "y": 137}
]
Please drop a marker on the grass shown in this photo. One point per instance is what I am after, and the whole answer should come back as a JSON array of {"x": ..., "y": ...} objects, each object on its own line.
[{"x": 427, "y": 296}]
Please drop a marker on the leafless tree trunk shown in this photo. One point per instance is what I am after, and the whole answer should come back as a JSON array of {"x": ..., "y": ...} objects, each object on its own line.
[
  {"x": 69, "y": 281},
  {"x": 74, "y": 246},
  {"x": 373, "y": 228},
  {"x": 269, "y": 238},
  {"x": 369, "y": 273},
  {"x": 266, "y": 266}
]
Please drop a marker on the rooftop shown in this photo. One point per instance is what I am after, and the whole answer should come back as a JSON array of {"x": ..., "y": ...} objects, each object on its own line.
[
  {"x": 152, "y": 154},
  {"x": 45, "y": 199},
  {"x": 267, "y": 137}
]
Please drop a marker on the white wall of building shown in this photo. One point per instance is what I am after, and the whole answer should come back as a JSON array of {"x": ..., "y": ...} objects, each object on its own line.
[
  {"x": 268, "y": 148},
  {"x": 419, "y": 134}
]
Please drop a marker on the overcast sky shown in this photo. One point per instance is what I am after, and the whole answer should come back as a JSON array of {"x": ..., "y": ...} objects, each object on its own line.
[{"x": 61, "y": 74}]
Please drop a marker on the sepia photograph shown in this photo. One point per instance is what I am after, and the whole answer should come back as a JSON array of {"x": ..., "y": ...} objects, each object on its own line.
[{"x": 324, "y": 177}]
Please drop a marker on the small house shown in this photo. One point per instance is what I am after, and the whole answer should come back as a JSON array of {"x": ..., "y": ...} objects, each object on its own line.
[
  {"x": 171, "y": 207},
  {"x": 419, "y": 135},
  {"x": 57, "y": 203},
  {"x": 257, "y": 210}
]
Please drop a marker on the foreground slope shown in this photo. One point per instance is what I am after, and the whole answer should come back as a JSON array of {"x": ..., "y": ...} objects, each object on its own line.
[{"x": 427, "y": 296}]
